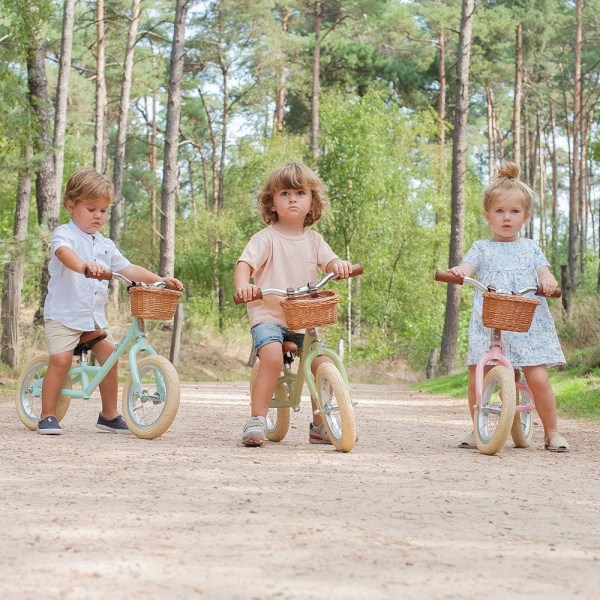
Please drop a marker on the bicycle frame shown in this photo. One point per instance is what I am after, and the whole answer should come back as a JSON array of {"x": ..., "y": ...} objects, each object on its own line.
[
  {"x": 496, "y": 356},
  {"x": 313, "y": 347},
  {"x": 81, "y": 373}
]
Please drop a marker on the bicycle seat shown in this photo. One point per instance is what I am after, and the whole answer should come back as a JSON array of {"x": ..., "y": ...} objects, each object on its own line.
[
  {"x": 289, "y": 346},
  {"x": 87, "y": 340}
]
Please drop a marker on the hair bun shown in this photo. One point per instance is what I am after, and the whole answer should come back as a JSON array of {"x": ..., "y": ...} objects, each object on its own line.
[{"x": 510, "y": 170}]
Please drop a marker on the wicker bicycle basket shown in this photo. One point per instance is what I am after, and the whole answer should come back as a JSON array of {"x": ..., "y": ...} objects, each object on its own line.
[
  {"x": 153, "y": 303},
  {"x": 304, "y": 312},
  {"x": 508, "y": 312}
]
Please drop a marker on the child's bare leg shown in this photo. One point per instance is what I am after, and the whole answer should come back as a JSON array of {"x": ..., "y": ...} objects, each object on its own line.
[
  {"x": 58, "y": 367},
  {"x": 316, "y": 418},
  {"x": 270, "y": 366},
  {"x": 545, "y": 402},
  {"x": 471, "y": 396},
  {"x": 109, "y": 388}
]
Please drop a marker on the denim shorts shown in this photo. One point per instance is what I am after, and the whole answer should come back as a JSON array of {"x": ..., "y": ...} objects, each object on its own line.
[{"x": 265, "y": 333}]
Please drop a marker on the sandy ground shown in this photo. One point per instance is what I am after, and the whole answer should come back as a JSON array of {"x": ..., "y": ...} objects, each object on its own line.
[{"x": 195, "y": 515}]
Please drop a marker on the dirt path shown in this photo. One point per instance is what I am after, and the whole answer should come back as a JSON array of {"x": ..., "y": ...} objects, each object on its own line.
[{"x": 195, "y": 515}]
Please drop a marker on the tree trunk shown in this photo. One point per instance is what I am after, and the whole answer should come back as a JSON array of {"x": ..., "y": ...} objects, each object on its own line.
[
  {"x": 62, "y": 95},
  {"x": 442, "y": 97},
  {"x": 153, "y": 162},
  {"x": 583, "y": 192},
  {"x": 45, "y": 181},
  {"x": 224, "y": 123},
  {"x": 518, "y": 95},
  {"x": 575, "y": 168},
  {"x": 119, "y": 164},
  {"x": 100, "y": 144},
  {"x": 169, "y": 182},
  {"x": 316, "y": 86},
  {"x": 13, "y": 270},
  {"x": 213, "y": 156},
  {"x": 492, "y": 152},
  {"x": 542, "y": 167},
  {"x": 279, "y": 114},
  {"x": 459, "y": 167},
  {"x": 554, "y": 162}
]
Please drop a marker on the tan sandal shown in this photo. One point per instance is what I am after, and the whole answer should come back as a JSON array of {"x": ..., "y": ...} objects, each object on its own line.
[
  {"x": 469, "y": 442},
  {"x": 557, "y": 444}
]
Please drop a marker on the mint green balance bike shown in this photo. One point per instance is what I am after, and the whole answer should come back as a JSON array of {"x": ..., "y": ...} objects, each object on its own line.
[{"x": 151, "y": 391}]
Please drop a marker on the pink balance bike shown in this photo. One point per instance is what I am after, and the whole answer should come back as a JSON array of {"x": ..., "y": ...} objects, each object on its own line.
[{"x": 504, "y": 402}]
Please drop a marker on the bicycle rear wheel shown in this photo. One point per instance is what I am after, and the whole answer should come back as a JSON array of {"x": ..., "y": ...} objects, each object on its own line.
[
  {"x": 521, "y": 428},
  {"x": 335, "y": 406},
  {"x": 494, "y": 417},
  {"x": 278, "y": 419},
  {"x": 150, "y": 413},
  {"x": 28, "y": 399}
]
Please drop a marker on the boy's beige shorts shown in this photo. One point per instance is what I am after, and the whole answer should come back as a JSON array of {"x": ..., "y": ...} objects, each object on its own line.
[{"x": 60, "y": 338}]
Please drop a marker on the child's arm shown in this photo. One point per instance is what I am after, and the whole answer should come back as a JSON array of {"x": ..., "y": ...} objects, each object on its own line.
[
  {"x": 465, "y": 269},
  {"x": 137, "y": 273},
  {"x": 245, "y": 290},
  {"x": 547, "y": 280},
  {"x": 342, "y": 268},
  {"x": 70, "y": 259}
]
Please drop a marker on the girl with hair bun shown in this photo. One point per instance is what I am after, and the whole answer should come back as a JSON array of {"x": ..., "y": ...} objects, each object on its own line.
[{"x": 510, "y": 262}]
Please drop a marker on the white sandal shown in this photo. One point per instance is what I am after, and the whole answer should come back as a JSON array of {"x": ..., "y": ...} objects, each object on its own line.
[{"x": 557, "y": 444}]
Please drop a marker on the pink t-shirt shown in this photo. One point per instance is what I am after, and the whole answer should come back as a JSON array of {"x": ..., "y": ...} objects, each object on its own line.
[{"x": 282, "y": 261}]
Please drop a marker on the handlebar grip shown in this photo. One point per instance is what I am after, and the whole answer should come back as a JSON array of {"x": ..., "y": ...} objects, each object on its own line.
[
  {"x": 448, "y": 277},
  {"x": 357, "y": 269},
  {"x": 105, "y": 276},
  {"x": 557, "y": 293},
  {"x": 238, "y": 300}
]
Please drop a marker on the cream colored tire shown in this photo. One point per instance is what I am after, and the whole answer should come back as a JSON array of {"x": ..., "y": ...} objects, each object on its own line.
[
  {"x": 278, "y": 419},
  {"x": 150, "y": 415},
  {"x": 335, "y": 407},
  {"x": 28, "y": 406},
  {"x": 494, "y": 418}
]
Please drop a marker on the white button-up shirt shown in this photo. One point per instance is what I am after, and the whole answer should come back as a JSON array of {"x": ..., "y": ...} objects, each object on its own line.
[{"x": 74, "y": 300}]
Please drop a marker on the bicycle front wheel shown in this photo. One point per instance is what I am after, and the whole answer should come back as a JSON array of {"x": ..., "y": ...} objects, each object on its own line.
[
  {"x": 494, "y": 417},
  {"x": 521, "y": 427},
  {"x": 278, "y": 419},
  {"x": 28, "y": 398},
  {"x": 151, "y": 412},
  {"x": 335, "y": 406}
]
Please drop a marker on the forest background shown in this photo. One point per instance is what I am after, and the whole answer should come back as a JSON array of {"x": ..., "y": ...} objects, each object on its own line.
[{"x": 403, "y": 107}]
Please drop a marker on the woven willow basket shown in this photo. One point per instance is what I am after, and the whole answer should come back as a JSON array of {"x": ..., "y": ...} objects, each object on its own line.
[
  {"x": 304, "y": 312},
  {"x": 153, "y": 303},
  {"x": 508, "y": 312}
]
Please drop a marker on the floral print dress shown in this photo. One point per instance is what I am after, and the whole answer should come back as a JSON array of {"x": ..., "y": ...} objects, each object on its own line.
[{"x": 511, "y": 266}]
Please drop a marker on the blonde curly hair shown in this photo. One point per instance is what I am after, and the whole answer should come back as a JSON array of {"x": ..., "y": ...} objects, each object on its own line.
[{"x": 292, "y": 176}]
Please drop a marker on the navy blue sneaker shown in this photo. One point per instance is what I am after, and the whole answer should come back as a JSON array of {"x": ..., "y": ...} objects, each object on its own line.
[
  {"x": 49, "y": 426},
  {"x": 116, "y": 425}
]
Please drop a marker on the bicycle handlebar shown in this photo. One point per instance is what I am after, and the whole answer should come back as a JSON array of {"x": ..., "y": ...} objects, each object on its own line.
[
  {"x": 447, "y": 277},
  {"x": 108, "y": 275},
  {"x": 301, "y": 291}
]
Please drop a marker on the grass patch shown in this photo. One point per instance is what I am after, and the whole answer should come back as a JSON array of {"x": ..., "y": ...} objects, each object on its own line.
[{"x": 577, "y": 395}]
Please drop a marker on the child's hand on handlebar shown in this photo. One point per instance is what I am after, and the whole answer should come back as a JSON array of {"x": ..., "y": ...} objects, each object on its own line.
[
  {"x": 342, "y": 269},
  {"x": 94, "y": 269},
  {"x": 457, "y": 271},
  {"x": 173, "y": 284},
  {"x": 247, "y": 292},
  {"x": 548, "y": 284}
]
